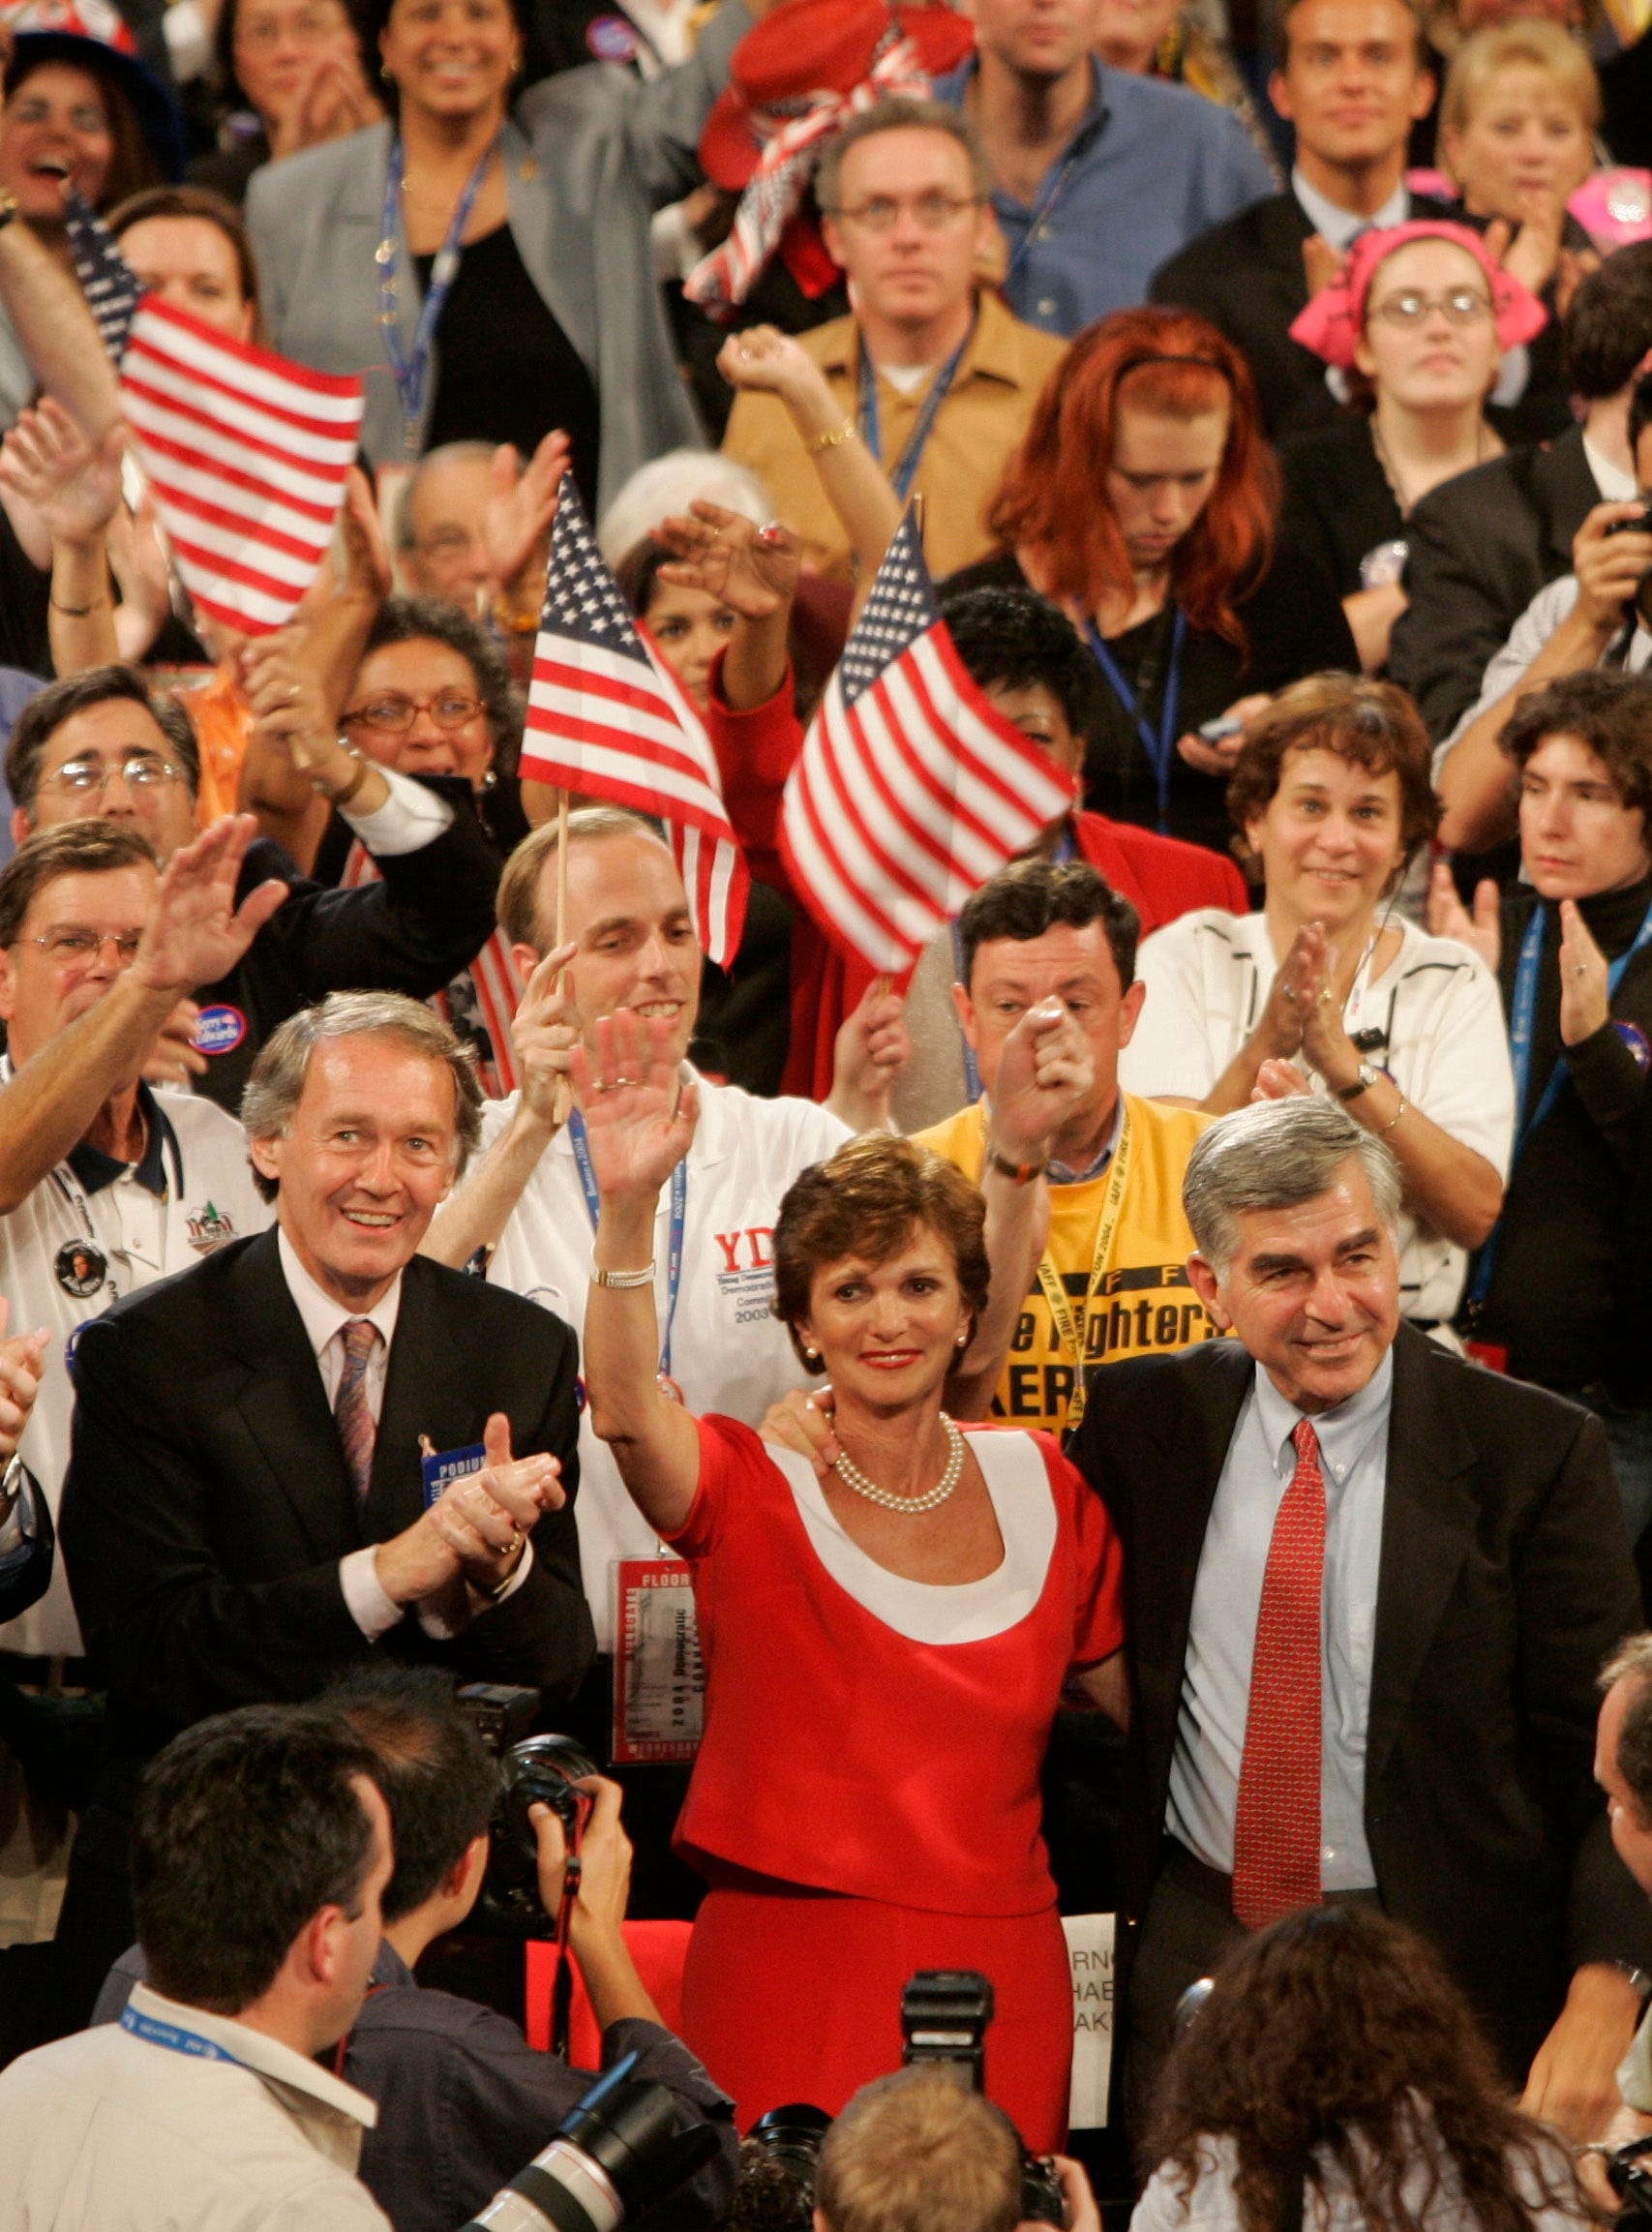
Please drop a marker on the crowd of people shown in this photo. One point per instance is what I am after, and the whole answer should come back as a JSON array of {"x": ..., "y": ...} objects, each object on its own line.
[{"x": 762, "y": 1479}]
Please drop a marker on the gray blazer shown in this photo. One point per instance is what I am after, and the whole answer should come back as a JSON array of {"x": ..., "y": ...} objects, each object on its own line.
[{"x": 588, "y": 158}]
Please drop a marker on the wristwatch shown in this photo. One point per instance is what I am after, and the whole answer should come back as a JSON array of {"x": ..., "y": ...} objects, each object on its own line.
[{"x": 1366, "y": 1077}]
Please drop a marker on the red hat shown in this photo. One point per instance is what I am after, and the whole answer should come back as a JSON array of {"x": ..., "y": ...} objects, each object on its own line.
[
  {"x": 1335, "y": 319},
  {"x": 794, "y": 81}
]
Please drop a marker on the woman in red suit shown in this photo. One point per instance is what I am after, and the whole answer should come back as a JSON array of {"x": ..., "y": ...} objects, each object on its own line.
[{"x": 885, "y": 1646}]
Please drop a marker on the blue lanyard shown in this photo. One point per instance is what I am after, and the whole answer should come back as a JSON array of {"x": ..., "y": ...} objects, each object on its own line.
[
  {"x": 1041, "y": 211},
  {"x": 410, "y": 371},
  {"x": 904, "y": 471},
  {"x": 678, "y": 1215},
  {"x": 1160, "y": 749},
  {"x": 1521, "y": 1018},
  {"x": 175, "y": 2040},
  {"x": 1064, "y": 852}
]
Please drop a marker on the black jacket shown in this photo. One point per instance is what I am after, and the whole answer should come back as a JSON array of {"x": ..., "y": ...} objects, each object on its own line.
[
  {"x": 1505, "y": 1580},
  {"x": 25, "y": 1572},
  {"x": 1248, "y": 278},
  {"x": 207, "y": 1504},
  {"x": 1482, "y": 546},
  {"x": 429, "y": 919}
]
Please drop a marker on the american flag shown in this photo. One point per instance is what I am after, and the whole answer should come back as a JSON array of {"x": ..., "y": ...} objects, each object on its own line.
[
  {"x": 247, "y": 454},
  {"x": 911, "y": 790},
  {"x": 607, "y": 719},
  {"x": 111, "y": 288},
  {"x": 495, "y": 983}
]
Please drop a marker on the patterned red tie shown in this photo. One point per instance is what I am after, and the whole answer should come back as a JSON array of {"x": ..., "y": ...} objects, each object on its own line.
[
  {"x": 356, "y": 1430},
  {"x": 1276, "y": 1829}
]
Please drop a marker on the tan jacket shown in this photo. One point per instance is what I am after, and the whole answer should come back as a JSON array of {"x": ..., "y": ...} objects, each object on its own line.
[{"x": 976, "y": 432}]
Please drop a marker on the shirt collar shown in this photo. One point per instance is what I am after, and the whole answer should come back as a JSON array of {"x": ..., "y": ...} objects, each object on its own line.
[
  {"x": 1344, "y": 1433},
  {"x": 94, "y": 1169},
  {"x": 264, "y": 2056},
  {"x": 1063, "y": 1174},
  {"x": 1614, "y": 484},
  {"x": 323, "y": 1316},
  {"x": 1343, "y": 226}
]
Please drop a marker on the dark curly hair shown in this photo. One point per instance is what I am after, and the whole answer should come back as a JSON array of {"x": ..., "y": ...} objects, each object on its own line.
[
  {"x": 403, "y": 619},
  {"x": 1609, "y": 713},
  {"x": 1015, "y": 639},
  {"x": 866, "y": 1201},
  {"x": 1337, "y": 2033},
  {"x": 1372, "y": 725}
]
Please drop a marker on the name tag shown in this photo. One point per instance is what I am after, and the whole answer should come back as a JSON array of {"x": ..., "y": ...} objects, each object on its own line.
[
  {"x": 659, "y": 1680},
  {"x": 445, "y": 1466}
]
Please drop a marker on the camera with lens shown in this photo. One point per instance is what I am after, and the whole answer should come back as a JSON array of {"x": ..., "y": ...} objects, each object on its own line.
[
  {"x": 945, "y": 2017},
  {"x": 617, "y": 2153},
  {"x": 1639, "y": 524},
  {"x": 790, "y": 2137},
  {"x": 533, "y": 1771},
  {"x": 1630, "y": 2174}
]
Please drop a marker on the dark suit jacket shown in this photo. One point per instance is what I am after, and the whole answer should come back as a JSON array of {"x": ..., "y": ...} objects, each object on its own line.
[
  {"x": 207, "y": 1504},
  {"x": 1248, "y": 278},
  {"x": 1505, "y": 1580},
  {"x": 25, "y": 1572},
  {"x": 1482, "y": 546},
  {"x": 412, "y": 933}
]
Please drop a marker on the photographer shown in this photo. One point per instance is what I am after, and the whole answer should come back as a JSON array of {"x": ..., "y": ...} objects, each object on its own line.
[
  {"x": 463, "y": 2099},
  {"x": 920, "y": 2152},
  {"x": 1336, "y": 2077}
]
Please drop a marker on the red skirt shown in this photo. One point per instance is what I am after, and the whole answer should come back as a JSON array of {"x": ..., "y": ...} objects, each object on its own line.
[{"x": 795, "y": 1995}]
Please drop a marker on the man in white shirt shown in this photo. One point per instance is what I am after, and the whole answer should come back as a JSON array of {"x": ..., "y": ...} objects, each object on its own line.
[
  {"x": 261, "y": 1847},
  {"x": 317, "y": 1447},
  {"x": 105, "y": 1184},
  {"x": 101, "y": 743}
]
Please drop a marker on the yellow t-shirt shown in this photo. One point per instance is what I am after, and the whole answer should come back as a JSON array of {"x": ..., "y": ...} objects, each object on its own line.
[{"x": 1143, "y": 1303}]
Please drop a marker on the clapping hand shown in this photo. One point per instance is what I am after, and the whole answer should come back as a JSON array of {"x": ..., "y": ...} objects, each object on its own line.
[
  {"x": 22, "y": 1362},
  {"x": 1586, "y": 989},
  {"x": 545, "y": 1031},
  {"x": 47, "y": 461},
  {"x": 1045, "y": 1072},
  {"x": 753, "y": 570},
  {"x": 477, "y": 1526},
  {"x": 639, "y": 1112},
  {"x": 522, "y": 503},
  {"x": 196, "y": 932},
  {"x": 1448, "y": 918}
]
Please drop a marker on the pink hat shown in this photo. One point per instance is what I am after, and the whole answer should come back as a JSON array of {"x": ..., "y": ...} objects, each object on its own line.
[{"x": 1333, "y": 320}]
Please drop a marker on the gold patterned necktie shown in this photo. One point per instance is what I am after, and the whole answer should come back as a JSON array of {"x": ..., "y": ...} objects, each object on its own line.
[{"x": 356, "y": 1428}]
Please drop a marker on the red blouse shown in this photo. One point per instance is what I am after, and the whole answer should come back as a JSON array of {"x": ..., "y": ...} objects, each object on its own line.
[{"x": 842, "y": 1754}]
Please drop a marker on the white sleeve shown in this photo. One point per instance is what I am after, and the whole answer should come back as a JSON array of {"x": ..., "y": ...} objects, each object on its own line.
[
  {"x": 1505, "y": 667},
  {"x": 1465, "y": 1080},
  {"x": 373, "y": 1611},
  {"x": 1170, "y": 1050},
  {"x": 410, "y": 819},
  {"x": 1161, "y": 2208}
]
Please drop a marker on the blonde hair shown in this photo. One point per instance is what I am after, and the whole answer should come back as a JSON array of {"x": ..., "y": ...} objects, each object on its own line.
[
  {"x": 1529, "y": 44},
  {"x": 518, "y": 903},
  {"x": 919, "y": 2152}
]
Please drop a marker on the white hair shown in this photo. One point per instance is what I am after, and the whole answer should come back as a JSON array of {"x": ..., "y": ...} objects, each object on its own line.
[
  {"x": 1276, "y": 1155},
  {"x": 669, "y": 485}
]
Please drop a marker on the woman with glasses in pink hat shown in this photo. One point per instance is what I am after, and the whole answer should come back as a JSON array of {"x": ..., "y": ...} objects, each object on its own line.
[{"x": 1417, "y": 321}]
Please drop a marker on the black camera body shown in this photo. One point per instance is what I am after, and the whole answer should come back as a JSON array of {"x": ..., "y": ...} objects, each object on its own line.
[
  {"x": 533, "y": 1771},
  {"x": 1630, "y": 2175},
  {"x": 945, "y": 2017}
]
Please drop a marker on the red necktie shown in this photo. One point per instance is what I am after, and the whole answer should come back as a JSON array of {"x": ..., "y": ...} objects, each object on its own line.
[
  {"x": 1276, "y": 1829},
  {"x": 356, "y": 1430}
]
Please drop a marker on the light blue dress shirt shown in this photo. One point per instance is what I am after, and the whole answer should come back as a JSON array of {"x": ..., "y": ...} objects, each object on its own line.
[
  {"x": 1227, "y": 1597},
  {"x": 1151, "y": 166}
]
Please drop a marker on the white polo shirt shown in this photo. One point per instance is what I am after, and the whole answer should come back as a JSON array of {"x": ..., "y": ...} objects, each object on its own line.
[
  {"x": 223, "y": 2129},
  {"x": 729, "y": 1353},
  {"x": 76, "y": 1246}
]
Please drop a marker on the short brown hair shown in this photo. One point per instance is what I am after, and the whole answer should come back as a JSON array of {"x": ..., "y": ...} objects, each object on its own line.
[
  {"x": 1609, "y": 713},
  {"x": 518, "y": 900},
  {"x": 901, "y": 114},
  {"x": 89, "y": 848},
  {"x": 1288, "y": 8},
  {"x": 275, "y": 1086},
  {"x": 1032, "y": 897},
  {"x": 45, "y": 714},
  {"x": 865, "y": 1201},
  {"x": 920, "y": 2152},
  {"x": 1372, "y": 725},
  {"x": 200, "y": 203}
]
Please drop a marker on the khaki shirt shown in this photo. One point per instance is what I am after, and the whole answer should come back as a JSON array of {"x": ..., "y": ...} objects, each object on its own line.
[{"x": 976, "y": 431}]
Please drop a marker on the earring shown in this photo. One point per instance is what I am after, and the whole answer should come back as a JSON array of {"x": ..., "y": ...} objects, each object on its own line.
[
  {"x": 812, "y": 1358},
  {"x": 963, "y": 1340}
]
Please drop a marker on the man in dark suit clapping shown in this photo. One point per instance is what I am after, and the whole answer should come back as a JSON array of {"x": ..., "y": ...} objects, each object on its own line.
[
  {"x": 247, "y": 1505},
  {"x": 1368, "y": 1589}
]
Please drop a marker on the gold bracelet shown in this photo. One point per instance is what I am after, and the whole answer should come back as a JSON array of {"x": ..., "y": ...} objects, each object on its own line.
[
  {"x": 844, "y": 433},
  {"x": 622, "y": 1279},
  {"x": 1383, "y": 1130},
  {"x": 343, "y": 798}
]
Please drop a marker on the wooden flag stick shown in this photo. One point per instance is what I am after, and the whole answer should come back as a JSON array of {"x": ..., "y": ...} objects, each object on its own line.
[{"x": 562, "y": 1099}]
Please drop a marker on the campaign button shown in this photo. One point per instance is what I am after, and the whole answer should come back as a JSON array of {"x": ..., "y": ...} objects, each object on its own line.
[
  {"x": 1634, "y": 1039},
  {"x": 220, "y": 1030},
  {"x": 610, "y": 38}
]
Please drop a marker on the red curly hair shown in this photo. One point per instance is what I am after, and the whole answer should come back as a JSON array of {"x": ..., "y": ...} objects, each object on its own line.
[{"x": 1069, "y": 447}]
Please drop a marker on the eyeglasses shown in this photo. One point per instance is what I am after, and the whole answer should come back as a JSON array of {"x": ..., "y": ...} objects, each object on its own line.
[
  {"x": 394, "y": 716},
  {"x": 140, "y": 771},
  {"x": 73, "y": 948},
  {"x": 1463, "y": 306},
  {"x": 934, "y": 212}
]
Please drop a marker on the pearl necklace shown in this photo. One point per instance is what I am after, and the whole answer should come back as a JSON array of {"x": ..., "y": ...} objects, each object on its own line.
[{"x": 851, "y": 1476}]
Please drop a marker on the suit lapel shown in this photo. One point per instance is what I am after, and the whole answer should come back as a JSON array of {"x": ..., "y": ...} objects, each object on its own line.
[
  {"x": 429, "y": 1389},
  {"x": 1573, "y": 494},
  {"x": 1286, "y": 226},
  {"x": 284, "y": 1404},
  {"x": 1428, "y": 1523}
]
